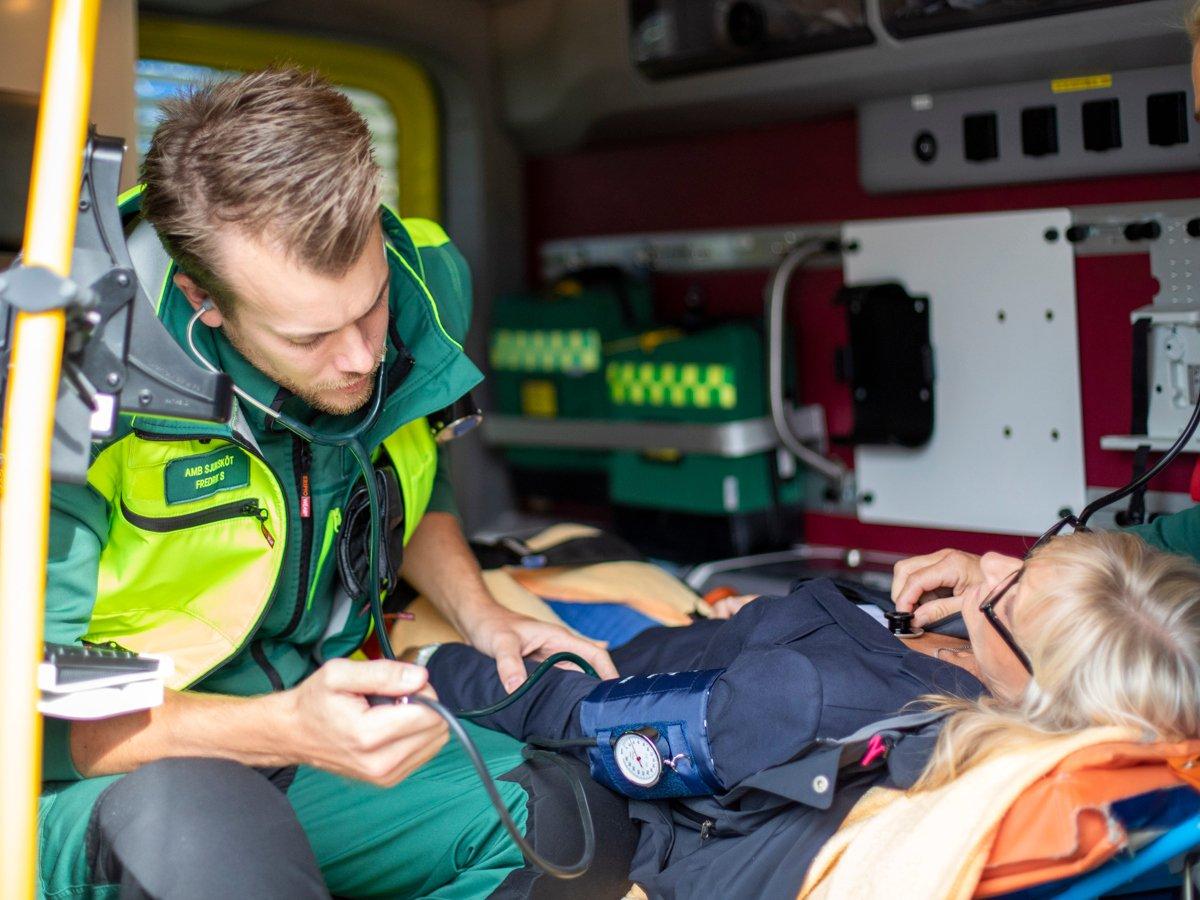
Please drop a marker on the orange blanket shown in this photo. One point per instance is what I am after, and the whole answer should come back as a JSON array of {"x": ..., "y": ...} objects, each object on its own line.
[
  {"x": 1026, "y": 818},
  {"x": 1060, "y": 827}
]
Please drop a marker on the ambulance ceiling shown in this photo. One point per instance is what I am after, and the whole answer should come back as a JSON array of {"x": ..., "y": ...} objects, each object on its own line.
[
  {"x": 567, "y": 74},
  {"x": 198, "y": 7}
]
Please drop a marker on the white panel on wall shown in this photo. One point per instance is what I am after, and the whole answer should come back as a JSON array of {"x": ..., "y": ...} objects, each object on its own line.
[{"x": 1007, "y": 449}]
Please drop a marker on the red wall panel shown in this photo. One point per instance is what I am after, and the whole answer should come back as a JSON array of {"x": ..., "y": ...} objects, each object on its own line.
[{"x": 807, "y": 172}]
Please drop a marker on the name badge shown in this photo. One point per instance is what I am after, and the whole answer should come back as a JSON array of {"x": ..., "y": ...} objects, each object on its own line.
[{"x": 196, "y": 477}]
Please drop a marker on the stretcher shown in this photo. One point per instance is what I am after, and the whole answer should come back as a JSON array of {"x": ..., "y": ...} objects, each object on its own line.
[{"x": 1166, "y": 827}]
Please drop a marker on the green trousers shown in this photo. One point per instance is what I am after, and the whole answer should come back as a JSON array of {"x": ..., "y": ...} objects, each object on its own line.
[{"x": 433, "y": 835}]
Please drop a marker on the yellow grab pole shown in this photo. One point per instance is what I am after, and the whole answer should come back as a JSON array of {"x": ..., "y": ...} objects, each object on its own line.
[{"x": 28, "y": 425}]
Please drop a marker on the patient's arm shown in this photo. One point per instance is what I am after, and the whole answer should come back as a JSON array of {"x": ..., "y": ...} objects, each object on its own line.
[{"x": 466, "y": 679}]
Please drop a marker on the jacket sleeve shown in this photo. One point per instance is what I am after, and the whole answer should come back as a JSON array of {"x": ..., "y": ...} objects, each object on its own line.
[
  {"x": 1176, "y": 533},
  {"x": 447, "y": 274},
  {"x": 442, "y": 498},
  {"x": 78, "y": 531}
]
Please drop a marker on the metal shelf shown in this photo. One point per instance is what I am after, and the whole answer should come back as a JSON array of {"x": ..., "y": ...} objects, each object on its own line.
[
  {"x": 733, "y": 249},
  {"x": 1133, "y": 441},
  {"x": 743, "y": 437}
]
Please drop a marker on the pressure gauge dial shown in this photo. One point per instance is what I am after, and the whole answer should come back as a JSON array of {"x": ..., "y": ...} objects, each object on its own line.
[{"x": 638, "y": 759}]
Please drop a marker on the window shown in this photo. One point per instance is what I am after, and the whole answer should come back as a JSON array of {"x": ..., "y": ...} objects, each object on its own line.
[
  {"x": 392, "y": 93},
  {"x": 159, "y": 79}
]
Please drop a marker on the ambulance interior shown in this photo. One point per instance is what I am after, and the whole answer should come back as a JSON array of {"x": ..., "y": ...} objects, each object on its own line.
[{"x": 767, "y": 289}]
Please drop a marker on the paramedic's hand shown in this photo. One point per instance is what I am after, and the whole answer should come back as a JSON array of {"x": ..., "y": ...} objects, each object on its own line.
[
  {"x": 933, "y": 586},
  {"x": 338, "y": 731},
  {"x": 508, "y": 638}
]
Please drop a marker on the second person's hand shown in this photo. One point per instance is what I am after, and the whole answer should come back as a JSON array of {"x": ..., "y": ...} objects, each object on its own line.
[
  {"x": 933, "y": 586},
  {"x": 510, "y": 638}
]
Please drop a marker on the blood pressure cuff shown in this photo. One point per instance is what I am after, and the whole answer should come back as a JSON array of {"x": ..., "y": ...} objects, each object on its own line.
[
  {"x": 668, "y": 712},
  {"x": 355, "y": 535},
  {"x": 730, "y": 723}
]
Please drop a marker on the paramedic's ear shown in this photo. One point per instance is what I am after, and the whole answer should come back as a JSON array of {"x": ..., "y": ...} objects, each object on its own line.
[{"x": 199, "y": 299}]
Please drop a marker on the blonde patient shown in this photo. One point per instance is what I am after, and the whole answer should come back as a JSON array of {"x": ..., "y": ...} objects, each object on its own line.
[
  {"x": 1093, "y": 629},
  {"x": 1110, "y": 629}
]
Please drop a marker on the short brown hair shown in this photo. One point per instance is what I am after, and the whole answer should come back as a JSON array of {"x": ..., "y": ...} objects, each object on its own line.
[{"x": 279, "y": 153}]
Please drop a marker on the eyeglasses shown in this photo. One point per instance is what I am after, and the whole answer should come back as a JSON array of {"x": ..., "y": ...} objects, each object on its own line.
[
  {"x": 1075, "y": 523},
  {"x": 988, "y": 608}
]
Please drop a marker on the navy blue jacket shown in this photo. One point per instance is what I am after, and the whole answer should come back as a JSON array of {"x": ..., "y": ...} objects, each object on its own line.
[{"x": 806, "y": 666}]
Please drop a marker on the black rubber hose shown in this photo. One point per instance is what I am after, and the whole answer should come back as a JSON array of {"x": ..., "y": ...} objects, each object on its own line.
[
  {"x": 489, "y": 785},
  {"x": 1167, "y": 459},
  {"x": 545, "y": 743},
  {"x": 585, "y": 813},
  {"x": 529, "y": 682}
]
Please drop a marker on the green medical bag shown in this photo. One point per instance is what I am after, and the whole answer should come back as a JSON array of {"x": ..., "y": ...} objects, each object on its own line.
[
  {"x": 546, "y": 351},
  {"x": 709, "y": 377}
]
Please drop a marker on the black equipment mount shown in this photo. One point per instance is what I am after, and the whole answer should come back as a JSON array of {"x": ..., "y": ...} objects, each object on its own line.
[{"x": 117, "y": 356}]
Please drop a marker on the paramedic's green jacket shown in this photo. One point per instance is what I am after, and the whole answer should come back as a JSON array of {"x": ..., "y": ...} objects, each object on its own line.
[
  {"x": 190, "y": 539},
  {"x": 1176, "y": 533}
]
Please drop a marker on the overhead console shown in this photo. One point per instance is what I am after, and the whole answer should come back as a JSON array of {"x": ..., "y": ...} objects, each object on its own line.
[
  {"x": 668, "y": 38},
  {"x": 576, "y": 70},
  {"x": 1110, "y": 123},
  {"x": 914, "y": 18}
]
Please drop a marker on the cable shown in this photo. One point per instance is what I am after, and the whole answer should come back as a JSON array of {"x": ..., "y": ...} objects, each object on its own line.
[
  {"x": 776, "y": 294},
  {"x": 371, "y": 582},
  {"x": 1167, "y": 458},
  {"x": 585, "y": 813},
  {"x": 525, "y": 685},
  {"x": 336, "y": 439},
  {"x": 352, "y": 439},
  {"x": 545, "y": 743}
]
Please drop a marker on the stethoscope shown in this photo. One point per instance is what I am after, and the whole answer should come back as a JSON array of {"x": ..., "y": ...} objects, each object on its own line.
[
  {"x": 450, "y": 423},
  {"x": 351, "y": 439}
]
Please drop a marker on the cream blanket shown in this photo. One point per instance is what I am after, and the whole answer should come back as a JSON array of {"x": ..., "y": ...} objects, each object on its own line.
[{"x": 934, "y": 845}]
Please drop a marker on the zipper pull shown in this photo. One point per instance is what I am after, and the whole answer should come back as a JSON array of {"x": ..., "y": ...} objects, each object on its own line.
[
  {"x": 305, "y": 494},
  {"x": 706, "y": 829},
  {"x": 258, "y": 512}
]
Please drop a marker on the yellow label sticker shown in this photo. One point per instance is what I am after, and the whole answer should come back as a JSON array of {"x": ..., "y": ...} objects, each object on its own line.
[
  {"x": 1083, "y": 83},
  {"x": 539, "y": 399}
]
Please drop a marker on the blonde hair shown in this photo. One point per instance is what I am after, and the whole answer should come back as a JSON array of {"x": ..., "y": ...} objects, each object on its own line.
[
  {"x": 1192, "y": 23},
  {"x": 1112, "y": 629},
  {"x": 279, "y": 153}
]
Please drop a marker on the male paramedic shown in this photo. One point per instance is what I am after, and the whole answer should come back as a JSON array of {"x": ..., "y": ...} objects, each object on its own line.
[
  {"x": 259, "y": 235},
  {"x": 951, "y": 573}
]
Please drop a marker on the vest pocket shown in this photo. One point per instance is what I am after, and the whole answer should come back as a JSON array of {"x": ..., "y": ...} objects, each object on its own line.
[{"x": 234, "y": 510}]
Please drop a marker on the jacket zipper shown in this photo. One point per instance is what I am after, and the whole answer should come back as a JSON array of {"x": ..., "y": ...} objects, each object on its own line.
[
  {"x": 256, "y": 651},
  {"x": 706, "y": 825},
  {"x": 234, "y": 510},
  {"x": 301, "y": 462},
  {"x": 260, "y": 657}
]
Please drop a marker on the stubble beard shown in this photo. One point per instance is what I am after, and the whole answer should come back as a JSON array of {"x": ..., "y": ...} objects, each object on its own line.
[{"x": 324, "y": 398}]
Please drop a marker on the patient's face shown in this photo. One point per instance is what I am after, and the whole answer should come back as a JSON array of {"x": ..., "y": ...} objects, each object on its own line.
[{"x": 1001, "y": 671}]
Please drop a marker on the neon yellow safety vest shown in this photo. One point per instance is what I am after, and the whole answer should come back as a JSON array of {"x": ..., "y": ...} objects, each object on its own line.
[{"x": 198, "y": 519}]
